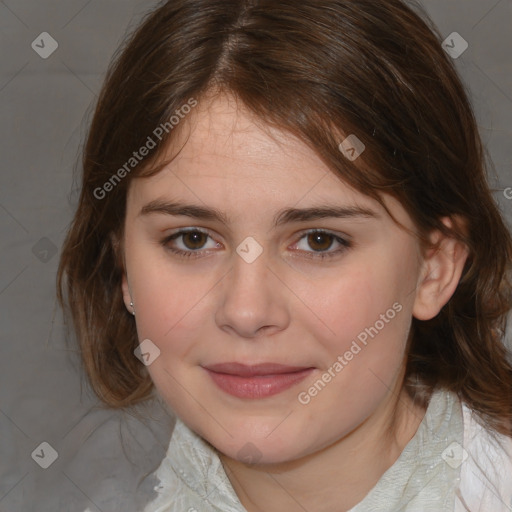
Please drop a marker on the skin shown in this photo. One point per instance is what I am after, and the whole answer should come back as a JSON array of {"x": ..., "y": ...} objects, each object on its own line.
[{"x": 284, "y": 307}]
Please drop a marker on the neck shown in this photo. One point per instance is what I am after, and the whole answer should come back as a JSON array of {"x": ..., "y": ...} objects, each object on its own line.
[{"x": 336, "y": 477}]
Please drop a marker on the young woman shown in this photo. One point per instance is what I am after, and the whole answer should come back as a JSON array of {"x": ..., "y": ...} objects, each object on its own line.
[{"x": 285, "y": 230}]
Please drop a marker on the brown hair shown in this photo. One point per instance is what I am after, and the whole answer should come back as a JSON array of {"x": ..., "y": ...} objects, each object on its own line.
[{"x": 320, "y": 70}]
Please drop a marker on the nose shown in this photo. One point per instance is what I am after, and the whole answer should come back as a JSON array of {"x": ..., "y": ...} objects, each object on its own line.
[{"x": 253, "y": 300}]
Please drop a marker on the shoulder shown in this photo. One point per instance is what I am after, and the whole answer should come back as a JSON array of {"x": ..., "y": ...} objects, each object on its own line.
[{"x": 486, "y": 473}]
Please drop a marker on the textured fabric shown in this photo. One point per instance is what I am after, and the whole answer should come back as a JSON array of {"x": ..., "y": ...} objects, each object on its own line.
[
  {"x": 451, "y": 464},
  {"x": 421, "y": 479},
  {"x": 486, "y": 476}
]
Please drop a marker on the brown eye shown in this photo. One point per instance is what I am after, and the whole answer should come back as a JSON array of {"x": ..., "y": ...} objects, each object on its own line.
[
  {"x": 190, "y": 243},
  {"x": 321, "y": 245},
  {"x": 194, "y": 239},
  {"x": 319, "y": 241}
]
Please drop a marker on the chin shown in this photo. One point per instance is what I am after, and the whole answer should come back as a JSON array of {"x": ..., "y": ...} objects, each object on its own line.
[
  {"x": 257, "y": 442},
  {"x": 260, "y": 453}
]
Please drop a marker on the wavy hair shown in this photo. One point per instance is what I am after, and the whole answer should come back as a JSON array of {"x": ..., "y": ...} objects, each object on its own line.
[{"x": 319, "y": 70}]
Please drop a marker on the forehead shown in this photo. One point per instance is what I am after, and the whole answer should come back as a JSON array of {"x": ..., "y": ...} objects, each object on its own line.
[
  {"x": 224, "y": 156},
  {"x": 223, "y": 132},
  {"x": 220, "y": 142}
]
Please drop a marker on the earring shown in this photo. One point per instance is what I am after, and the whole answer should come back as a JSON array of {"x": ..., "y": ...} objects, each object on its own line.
[{"x": 133, "y": 309}]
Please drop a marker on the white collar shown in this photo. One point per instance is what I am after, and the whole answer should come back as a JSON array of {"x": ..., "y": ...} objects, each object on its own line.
[{"x": 193, "y": 479}]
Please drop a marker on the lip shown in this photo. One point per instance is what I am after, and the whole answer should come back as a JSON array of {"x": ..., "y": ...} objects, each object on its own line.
[{"x": 256, "y": 381}]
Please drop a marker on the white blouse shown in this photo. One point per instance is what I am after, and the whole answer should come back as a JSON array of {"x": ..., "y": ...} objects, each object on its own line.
[{"x": 452, "y": 464}]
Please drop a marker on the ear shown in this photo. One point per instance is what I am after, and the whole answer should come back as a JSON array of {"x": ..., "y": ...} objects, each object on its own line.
[
  {"x": 441, "y": 269},
  {"x": 127, "y": 296},
  {"x": 116, "y": 246}
]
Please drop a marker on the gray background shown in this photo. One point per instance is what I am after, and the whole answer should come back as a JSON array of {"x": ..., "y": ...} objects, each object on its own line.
[{"x": 44, "y": 106}]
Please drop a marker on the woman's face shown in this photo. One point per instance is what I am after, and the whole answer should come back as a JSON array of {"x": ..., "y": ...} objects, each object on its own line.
[{"x": 256, "y": 283}]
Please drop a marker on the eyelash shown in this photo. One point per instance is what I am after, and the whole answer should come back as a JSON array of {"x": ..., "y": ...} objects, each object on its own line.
[{"x": 314, "y": 255}]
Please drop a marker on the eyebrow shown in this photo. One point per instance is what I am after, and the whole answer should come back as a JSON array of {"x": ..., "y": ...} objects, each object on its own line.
[{"x": 284, "y": 216}]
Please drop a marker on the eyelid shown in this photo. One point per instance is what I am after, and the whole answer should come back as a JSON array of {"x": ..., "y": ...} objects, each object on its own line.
[
  {"x": 300, "y": 235},
  {"x": 345, "y": 242},
  {"x": 326, "y": 231},
  {"x": 181, "y": 231}
]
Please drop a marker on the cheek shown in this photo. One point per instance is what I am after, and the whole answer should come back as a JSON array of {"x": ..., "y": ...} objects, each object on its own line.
[
  {"x": 353, "y": 302},
  {"x": 170, "y": 309},
  {"x": 367, "y": 325},
  {"x": 171, "y": 313}
]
